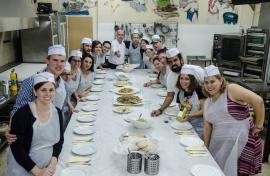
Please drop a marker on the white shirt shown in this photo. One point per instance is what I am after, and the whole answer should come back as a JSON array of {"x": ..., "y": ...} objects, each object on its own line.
[
  {"x": 171, "y": 82},
  {"x": 115, "y": 47}
]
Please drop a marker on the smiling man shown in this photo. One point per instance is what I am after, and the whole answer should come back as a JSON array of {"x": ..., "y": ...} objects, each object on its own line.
[{"x": 175, "y": 62}]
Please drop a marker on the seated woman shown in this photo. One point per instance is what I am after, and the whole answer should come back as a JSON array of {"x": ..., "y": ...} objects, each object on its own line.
[
  {"x": 232, "y": 137},
  {"x": 163, "y": 72},
  {"x": 96, "y": 51},
  {"x": 75, "y": 76},
  {"x": 87, "y": 75},
  {"x": 39, "y": 130},
  {"x": 190, "y": 95},
  {"x": 149, "y": 56}
]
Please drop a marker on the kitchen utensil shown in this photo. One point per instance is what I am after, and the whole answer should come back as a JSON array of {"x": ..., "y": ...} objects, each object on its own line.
[
  {"x": 134, "y": 163},
  {"x": 151, "y": 164}
]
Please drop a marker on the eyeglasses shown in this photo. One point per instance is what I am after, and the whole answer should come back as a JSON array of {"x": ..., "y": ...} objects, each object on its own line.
[
  {"x": 65, "y": 74},
  {"x": 107, "y": 47},
  {"x": 47, "y": 91}
]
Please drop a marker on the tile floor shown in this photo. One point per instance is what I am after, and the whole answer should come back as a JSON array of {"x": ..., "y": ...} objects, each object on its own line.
[{"x": 265, "y": 170}]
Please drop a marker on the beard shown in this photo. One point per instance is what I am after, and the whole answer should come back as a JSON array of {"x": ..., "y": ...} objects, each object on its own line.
[{"x": 176, "y": 69}]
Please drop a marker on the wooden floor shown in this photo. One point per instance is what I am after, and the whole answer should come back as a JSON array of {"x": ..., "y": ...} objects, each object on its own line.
[{"x": 265, "y": 170}]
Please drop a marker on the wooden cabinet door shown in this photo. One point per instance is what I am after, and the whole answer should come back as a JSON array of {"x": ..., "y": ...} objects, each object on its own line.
[{"x": 78, "y": 27}]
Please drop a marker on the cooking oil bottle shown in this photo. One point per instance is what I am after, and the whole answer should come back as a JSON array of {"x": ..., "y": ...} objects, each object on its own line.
[{"x": 13, "y": 82}]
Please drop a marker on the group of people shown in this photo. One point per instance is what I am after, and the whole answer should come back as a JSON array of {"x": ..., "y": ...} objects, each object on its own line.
[{"x": 218, "y": 111}]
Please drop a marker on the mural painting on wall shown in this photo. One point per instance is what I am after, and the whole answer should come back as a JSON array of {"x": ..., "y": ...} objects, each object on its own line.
[
  {"x": 166, "y": 9},
  {"x": 138, "y": 5},
  {"x": 191, "y": 7},
  {"x": 77, "y": 5},
  {"x": 223, "y": 7},
  {"x": 166, "y": 31}
]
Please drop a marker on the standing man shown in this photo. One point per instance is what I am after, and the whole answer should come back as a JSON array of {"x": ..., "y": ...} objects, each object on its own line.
[
  {"x": 86, "y": 45},
  {"x": 117, "y": 53},
  {"x": 106, "y": 47},
  {"x": 55, "y": 65},
  {"x": 134, "y": 49},
  {"x": 175, "y": 62}
]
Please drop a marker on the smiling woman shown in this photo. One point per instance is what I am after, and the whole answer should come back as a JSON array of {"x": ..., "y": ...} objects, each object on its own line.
[{"x": 38, "y": 127}]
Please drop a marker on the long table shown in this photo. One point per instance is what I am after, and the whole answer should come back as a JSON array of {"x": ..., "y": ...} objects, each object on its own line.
[{"x": 110, "y": 125}]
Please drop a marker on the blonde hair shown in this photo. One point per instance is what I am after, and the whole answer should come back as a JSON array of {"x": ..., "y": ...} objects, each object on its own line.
[{"x": 222, "y": 87}]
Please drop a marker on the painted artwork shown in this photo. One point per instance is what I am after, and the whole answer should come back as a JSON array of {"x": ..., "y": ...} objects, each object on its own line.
[
  {"x": 166, "y": 9},
  {"x": 223, "y": 7},
  {"x": 191, "y": 8}
]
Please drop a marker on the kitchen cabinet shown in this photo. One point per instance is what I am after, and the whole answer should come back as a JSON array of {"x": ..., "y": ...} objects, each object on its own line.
[{"x": 77, "y": 28}]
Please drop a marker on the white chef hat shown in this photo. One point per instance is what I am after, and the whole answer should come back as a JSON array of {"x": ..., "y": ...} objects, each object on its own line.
[
  {"x": 149, "y": 47},
  {"x": 76, "y": 53},
  {"x": 155, "y": 38},
  {"x": 57, "y": 49},
  {"x": 187, "y": 69},
  {"x": 146, "y": 38},
  {"x": 43, "y": 77},
  {"x": 86, "y": 40},
  {"x": 172, "y": 52},
  {"x": 194, "y": 70},
  {"x": 67, "y": 67},
  {"x": 211, "y": 70},
  {"x": 135, "y": 31}
]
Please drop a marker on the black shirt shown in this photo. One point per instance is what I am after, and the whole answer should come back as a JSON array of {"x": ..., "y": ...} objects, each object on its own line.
[{"x": 198, "y": 90}]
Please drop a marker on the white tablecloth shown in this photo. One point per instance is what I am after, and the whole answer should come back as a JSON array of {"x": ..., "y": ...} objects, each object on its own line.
[{"x": 174, "y": 161}]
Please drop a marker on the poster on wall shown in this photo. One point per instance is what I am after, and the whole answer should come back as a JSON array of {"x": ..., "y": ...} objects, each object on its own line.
[
  {"x": 138, "y": 5},
  {"x": 166, "y": 9},
  {"x": 191, "y": 8},
  {"x": 217, "y": 8},
  {"x": 166, "y": 30}
]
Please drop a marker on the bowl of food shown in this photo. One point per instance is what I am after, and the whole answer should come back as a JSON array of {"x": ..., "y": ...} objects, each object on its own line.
[{"x": 141, "y": 123}]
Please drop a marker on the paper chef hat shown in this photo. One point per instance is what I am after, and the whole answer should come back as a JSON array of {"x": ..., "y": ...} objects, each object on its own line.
[
  {"x": 149, "y": 47},
  {"x": 194, "y": 70},
  {"x": 57, "y": 49},
  {"x": 172, "y": 52},
  {"x": 187, "y": 69},
  {"x": 135, "y": 31},
  {"x": 43, "y": 77},
  {"x": 86, "y": 40},
  {"x": 146, "y": 38},
  {"x": 211, "y": 70},
  {"x": 67, "y": 67},
  {"x": 76, "y": 53},
  {"x": 156, "y": 38}
]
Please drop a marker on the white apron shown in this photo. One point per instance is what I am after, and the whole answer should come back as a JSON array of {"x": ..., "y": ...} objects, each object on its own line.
[
  {"x": 229, "y": 136},
  {"x": 60, "y": 94},
  {"x": 135, "y": 55}
]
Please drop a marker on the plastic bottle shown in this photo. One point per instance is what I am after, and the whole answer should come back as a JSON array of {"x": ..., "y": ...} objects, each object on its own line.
[{"x": 13, "y": 82}]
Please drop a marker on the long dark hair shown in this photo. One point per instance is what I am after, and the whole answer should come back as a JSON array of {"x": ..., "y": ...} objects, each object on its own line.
[
  {"x": 192, "y": 86},
  {"x": 94, "y": 44},
  {"x": 83, "y": 58}
]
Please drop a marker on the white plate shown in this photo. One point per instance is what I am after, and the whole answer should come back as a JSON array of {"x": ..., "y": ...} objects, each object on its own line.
[
  {"x": 190, "y": 141},
  {"x": 92, "y": 97},
  {"x": 123, "y": 110},
  {"x": 86, "y": 118},
  {"x": 121, "y": 104},
  {"x": 181, "y": 125},
  {"x": 171, "y": 111},
  {"x": 96, "y": 89},
  {"x": 84, "y": 149},
  {"x": 98, "y": 82},
  {"x": 157, "y": 85},
  {"x": 89, "y": 108},
  {"x": 134, "y": 90},
  {"x": 162, "y": 93},
  {"x": 99, "y": 76},
  {"x": 153, "y": 75},
  {"x": 205, "y": 170},
  {"x": 101, "y": 71},
  {"x": 84, "y": 130},
  {"x": 122, "y": 76},
  {"x": 72, "y": 172}
]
